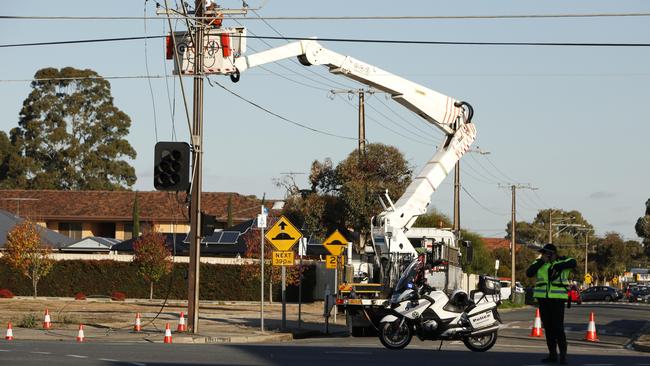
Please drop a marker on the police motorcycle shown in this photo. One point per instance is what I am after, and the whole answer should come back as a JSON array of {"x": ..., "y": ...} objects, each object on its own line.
[{"x": 418, "y": 309}]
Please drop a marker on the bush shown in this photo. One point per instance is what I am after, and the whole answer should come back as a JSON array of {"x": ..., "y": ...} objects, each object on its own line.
[
  {"x": 80, "y": 296},
  {"x": 118, "y": 296},
  {"x": 28, "y": 321},
  {"x": 218, "y": 282},
  {"x": 6, "y": 294}
]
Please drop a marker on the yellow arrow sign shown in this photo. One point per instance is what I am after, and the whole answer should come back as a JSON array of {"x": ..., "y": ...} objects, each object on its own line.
[
  {"x": 588, "y": 278},
  {"x": 335, "y": 243},
  {"x": 283, "y": 235}
]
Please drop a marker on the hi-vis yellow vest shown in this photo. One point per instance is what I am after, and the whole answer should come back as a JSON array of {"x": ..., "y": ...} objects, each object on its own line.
[{"x": 555, "y": 289}]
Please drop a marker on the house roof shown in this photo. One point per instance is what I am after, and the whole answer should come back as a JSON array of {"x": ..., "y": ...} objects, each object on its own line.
[
  {"x": 497, "y": 243},
  {"x": 91, "y": 243},
  {"x": 49, "y": 237},
  {"x": 118, "y": 205}
]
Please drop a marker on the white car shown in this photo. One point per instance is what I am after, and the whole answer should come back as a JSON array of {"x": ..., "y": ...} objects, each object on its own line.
[{"x": 505, "y": 289}]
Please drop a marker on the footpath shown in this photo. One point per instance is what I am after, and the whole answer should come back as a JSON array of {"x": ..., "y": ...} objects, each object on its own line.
[{"x": 114, "y": 321}]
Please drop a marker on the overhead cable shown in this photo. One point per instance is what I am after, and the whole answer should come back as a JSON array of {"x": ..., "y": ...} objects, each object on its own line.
[
  {"x": 353, "y": 17},
  {"x": 214, "y": 82},
  {"x": 481, "y": 205},
  {"x": 352, "y": 40}
]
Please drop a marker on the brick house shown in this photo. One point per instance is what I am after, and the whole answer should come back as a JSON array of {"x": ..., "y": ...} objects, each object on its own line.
[{"x": 80, "y": 214}]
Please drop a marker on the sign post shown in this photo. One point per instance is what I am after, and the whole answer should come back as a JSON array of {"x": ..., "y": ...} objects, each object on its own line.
[
  {"x": 336, "y": 243},
  {"x": 261, "y": 223},
  {"x": 283, "y": 235}
]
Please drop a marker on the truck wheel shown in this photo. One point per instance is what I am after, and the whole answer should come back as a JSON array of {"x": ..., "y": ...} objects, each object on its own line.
[
  {"x": 481, "y": 343},
  {"x": 394, "y": 336}
]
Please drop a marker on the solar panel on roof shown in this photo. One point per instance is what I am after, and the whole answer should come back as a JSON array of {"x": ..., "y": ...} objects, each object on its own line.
[{"x": 229, "y": 237}]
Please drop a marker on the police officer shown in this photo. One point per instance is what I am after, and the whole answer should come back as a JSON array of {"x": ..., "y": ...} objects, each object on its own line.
[{"x": 552, "y": 272}]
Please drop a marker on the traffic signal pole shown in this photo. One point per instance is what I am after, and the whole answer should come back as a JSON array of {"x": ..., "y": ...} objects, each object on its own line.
[{"x": 197, "y": 159}]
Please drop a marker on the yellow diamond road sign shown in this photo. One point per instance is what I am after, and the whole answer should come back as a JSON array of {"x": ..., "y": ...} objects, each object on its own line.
[
  {"x": 336, "y": 243},
  {"x": 283, "y": 235}
]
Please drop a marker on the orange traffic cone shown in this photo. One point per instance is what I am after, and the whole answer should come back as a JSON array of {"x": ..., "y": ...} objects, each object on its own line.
[
  {"x": 80, "y": 335},
  {"x": 537, "y": 326},
  {"x": 10, "y": 333},
  {"x": 181, "y": 323},
  {"x": 591, "y": 335},
  {"x": 47, "y": 323},
  {"x": 168, "y": 334},
  {"x": 137, "y": 327}
]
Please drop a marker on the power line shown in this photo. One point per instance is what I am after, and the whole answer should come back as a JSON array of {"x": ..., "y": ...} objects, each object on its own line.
[
  {"x": 346, "y": 18},
  {"x": 386, "y": 127},
  {"x": 481, "y": 205},
  {"x": 350, "y": 40},
  {"x": 85, "y": 78},
  {"x": 146, "y": 66},
  {"x": 211, "y": 82}
]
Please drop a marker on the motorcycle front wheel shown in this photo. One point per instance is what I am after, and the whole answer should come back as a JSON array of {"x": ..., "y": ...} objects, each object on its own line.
[
  {"x": 394, "y": 336},
  {"x": 481, "y": 343}
]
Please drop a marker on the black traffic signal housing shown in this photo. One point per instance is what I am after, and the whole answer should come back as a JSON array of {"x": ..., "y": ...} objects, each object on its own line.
[
  {"x": 208, "y": 224},
  {"x": 171, "y": 166}
]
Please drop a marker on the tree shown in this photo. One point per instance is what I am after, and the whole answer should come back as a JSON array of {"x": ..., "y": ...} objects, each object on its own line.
[
  {"x": 345, "y": 197},
  {"x": 152, "y": 257},
  {"x": 69, "y": 136},
  {"x": 135, "y": 231},
  {"x": 613, "y": 255},
  {"x": 25, "y": 252},
  {"x": 642, "y": 227}
]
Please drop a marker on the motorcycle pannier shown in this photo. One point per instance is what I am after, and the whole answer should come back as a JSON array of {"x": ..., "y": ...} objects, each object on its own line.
[{"x": 489, "y": 285}]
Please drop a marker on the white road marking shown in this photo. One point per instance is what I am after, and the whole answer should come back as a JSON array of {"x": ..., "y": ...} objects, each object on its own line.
[
  {"x": 108, "y": 360},
  {"x": 41, "y": 353},
  {"x": 77, "y": 356},
  {"x": 5, "y": 350},
  {"x": 138, "y": 364}
]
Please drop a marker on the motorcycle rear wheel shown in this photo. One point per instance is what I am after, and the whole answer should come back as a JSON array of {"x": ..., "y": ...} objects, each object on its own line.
[
  {"x": 480, "y": 343},
  {"x": 393, "y": 336}
]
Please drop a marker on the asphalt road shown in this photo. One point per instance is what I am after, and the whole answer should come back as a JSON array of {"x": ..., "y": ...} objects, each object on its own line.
[{"x": 513, "y": 348}]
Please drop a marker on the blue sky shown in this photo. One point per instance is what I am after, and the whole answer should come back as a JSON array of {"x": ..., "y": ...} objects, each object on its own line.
[{"x": 568, "y": 120}]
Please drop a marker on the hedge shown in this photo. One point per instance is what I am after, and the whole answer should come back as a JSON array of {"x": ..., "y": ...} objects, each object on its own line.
[{"x": 102, "y": 278}]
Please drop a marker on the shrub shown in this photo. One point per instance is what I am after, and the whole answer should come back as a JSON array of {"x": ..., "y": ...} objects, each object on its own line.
[
  {"x": 28, "y": 321},
  {"x": 6, "y": 294},
  {"x": 80, "y": 296},
  {"x": 118, "y": 296}
]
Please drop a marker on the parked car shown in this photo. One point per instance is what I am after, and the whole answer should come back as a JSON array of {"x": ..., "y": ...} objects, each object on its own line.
[
  {"x": 638, "y": 293},
  {"x": 601, "y": 293},
  {"x": 506, "y": 290},
  {"x": 574, "y": 294}
]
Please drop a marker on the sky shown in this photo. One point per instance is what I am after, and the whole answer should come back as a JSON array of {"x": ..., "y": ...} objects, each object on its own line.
[{"x": 569, "y": 121}]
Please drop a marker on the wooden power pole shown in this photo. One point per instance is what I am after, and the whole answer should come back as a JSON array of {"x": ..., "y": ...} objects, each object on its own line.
[
  {"x": 513, "y": 236},
  {"x": 197, "y": 158}
]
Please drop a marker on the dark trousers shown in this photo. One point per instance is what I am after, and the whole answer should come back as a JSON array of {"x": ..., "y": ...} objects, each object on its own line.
[{"x": 552, "y": 313}]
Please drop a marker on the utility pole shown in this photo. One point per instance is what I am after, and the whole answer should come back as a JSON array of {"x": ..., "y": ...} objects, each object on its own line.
[
  {"x": 457, "y": 186},
  {"x": 513, "y": 220},
  {"x": 197, "y": 158},
  {"x": 550, "y": 226},
  {"x": 362, "y": 112}
]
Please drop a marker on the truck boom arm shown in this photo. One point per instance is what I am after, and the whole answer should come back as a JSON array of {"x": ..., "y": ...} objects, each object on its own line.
[{"x": 444, "y": 112}]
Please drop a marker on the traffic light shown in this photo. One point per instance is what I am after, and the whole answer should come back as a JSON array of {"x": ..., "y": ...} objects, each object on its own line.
[
  {"x": 208, "y": 224},
  {"x": 171, "y": 166}
]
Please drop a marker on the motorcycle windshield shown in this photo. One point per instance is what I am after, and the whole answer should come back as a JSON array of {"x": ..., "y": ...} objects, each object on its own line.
[{"x": 407, "y": 277}]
